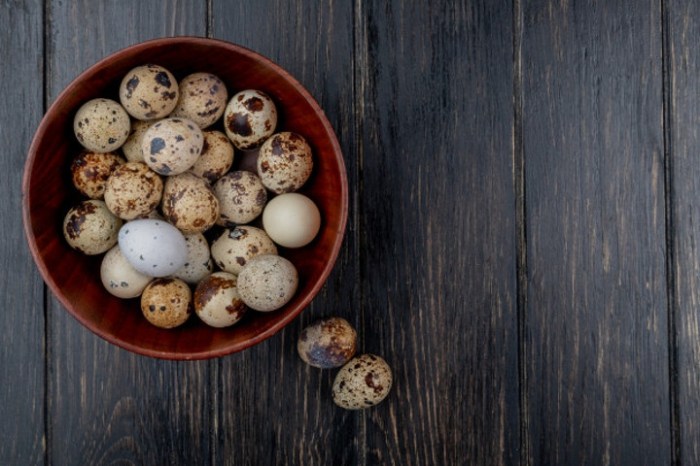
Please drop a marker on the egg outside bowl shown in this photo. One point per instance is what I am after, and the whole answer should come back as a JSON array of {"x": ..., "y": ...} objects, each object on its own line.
[{"x": 48, "y": 194}]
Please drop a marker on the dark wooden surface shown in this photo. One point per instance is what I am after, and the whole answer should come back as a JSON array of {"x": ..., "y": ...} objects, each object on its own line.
[{"x": 521, "y": 246}]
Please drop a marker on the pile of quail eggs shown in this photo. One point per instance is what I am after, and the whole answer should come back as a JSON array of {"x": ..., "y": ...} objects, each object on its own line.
[{"x": 171, "y": 215}]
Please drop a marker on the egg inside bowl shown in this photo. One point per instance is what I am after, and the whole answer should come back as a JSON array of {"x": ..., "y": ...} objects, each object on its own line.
[{"x": 48, "y": 193}]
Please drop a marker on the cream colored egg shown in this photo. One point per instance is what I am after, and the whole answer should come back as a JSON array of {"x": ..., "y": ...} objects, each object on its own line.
[
  {"x": 119, "y": 277},
  {"x": 292, "y": 220}
]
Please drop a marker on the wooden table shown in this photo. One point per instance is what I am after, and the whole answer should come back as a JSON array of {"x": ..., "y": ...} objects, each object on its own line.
[{"x": 522, "y": 245}]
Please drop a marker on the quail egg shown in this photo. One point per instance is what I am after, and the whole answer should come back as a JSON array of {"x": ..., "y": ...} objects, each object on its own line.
[
  {"x": 267, "y": 282},
  {"x": 216, "y": 300},
  {"x": 101, "y": 125},
  {"x": 199, "y": 263},
  {"x": 242, "y": 198},
  {"x": 148, "y": 92},
  {"x": 216, "y": 157},
  {"x": 119, "y": 277},
  {"x": 90, "y": 170},
  {"x": 91, "y": 228},
  {"x": 132, "y": 146},
  {"x": 234, "y": 247},
  {"x": 363, "y": 382},
  {"x": 189, "y": 203},
  {"x": 172, "y": 146},
  {"x": 250, "y": 118},
  {"x": 203, "y": 99},
  {"x": 327, "y": 343},
  {"x": 153, "y": 247},
  {"x": 166, "y": 302},
  {"x": 285, "y": 162},
  {"x": 132, "y": 190}
]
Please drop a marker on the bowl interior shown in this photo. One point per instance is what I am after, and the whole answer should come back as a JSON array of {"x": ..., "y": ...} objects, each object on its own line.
[{"x": 49, "y": 193}]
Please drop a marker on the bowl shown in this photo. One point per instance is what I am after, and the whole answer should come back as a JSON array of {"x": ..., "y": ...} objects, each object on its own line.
[{"x": 48, "y": 193}]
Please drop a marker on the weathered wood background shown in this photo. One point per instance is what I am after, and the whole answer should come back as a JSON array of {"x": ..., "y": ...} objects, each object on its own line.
[{"x": 525, "y": 193}]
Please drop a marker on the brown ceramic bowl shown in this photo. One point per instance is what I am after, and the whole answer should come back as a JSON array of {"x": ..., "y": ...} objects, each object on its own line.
[{"x": 48, "y": 194}]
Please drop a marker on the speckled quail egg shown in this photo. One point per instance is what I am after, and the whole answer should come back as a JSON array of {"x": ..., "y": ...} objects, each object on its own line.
[
  {"x": 172, "y": 146},
  {"x": 285, "y": 162},
  {"x": 216, "y": 300},
  {"x": 133, "y": 190},
  {"x": 119, "y": 277},
  {"x": 241, "y": 196},
  {"x": 189, "y": 203},
  {"x": 153, "y": 247},
  {"x": 101, "y": 125},
  {"x": 90, "y": 227},
  {"x": 292, "y": 220},
  {"x": 199, "y": 263},
  {"x": 148, "y": 92},
  {"x": 203, "y": 99},
  {"x": 327, "y": 343},
  {"x": 90, "y": 170},
  {"x": 363, "y": 382},
  {"x": 250, "y": 118},
  {"x": 167, "y": 302},
  {"x": 216, "y": 157},
  {"x": 267, "y": 282},
  {"x": 132, "y": 146},
  {"x": 232, "y": 250}
]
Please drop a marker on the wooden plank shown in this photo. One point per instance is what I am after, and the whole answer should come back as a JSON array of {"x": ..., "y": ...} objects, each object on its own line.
[
  {"x": 108, "y": 406},
  {"x": 683, "y": 63},
  {"x": 21, "y": 290},
  {"x": 272, "y": 408},
  {"x": 596, "y": 347},
  {"x": 438, "y": 229}
]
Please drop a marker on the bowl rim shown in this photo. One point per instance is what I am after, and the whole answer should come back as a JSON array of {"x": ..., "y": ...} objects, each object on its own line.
[{"x": 185, "y": 355}]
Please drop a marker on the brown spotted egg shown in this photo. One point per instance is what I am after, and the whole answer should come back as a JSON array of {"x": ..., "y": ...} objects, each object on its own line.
[
  {"x": 363, "y": 382},
  {"x": 242, "y": 197},
  {"x": 285, "y": 162},
  {"x": 132, "y": 147},
  {"x": 91, "y": 228},
  {"x": 172, "y": 146},
  {"x": 119, "y": 277},
  {"x": 199, "y": 263},
  {"x": 133, "y": 191},
  {"x": 101, "y": 125},
  {"x": 189, "y": 203},
  {"x": 216, "y": 157},
  {"x": 90, "y": 171},
  {"x": 235, "y": 247},
  {"x": 250, "y": 118},
  {"x": 267, "y": 282},
  {"x": 327, "y": 343},
  {"x": 216, "y": 300},
  {"x": 166, "y": 302},
  {"x": 148, "y": 92},
  {"x": 203, "y": 99}
]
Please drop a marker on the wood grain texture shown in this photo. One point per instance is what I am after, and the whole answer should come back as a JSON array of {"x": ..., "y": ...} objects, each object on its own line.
[
  {"x": 683, "y": 29},
  {"x": 108, "y": 406},
  {"x": 272, "y": 408},
  {"x": 596, "y": 352},
  {"x": 438, "y": 230},
  {"x": 22, "y": 353}
]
